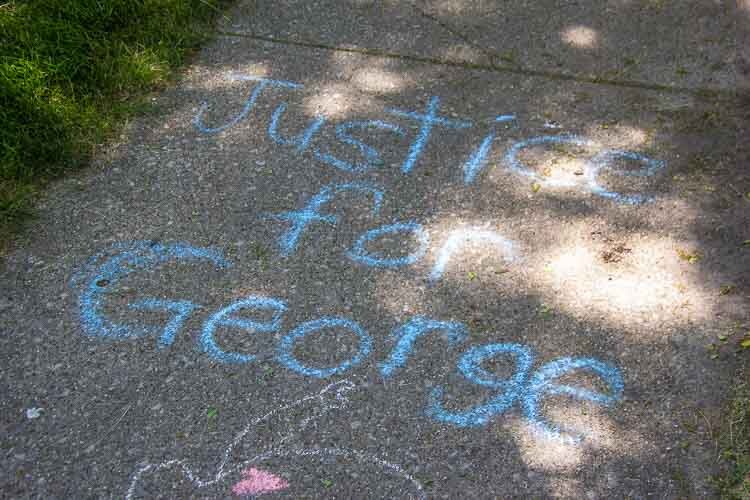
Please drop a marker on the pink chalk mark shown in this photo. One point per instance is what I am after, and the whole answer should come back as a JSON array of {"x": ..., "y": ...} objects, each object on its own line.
[{"x": 257, "y": 482}]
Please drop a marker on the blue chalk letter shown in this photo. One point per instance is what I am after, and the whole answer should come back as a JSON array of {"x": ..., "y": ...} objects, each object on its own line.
[
  {"x": 426, "y": 122},
  {"x": 103, "y": 272},
  {"x": 262, "y": 84},
  {"x": 372, "y": 157},
  {"x": 285, "y": 352},
  {"x": 311, "y": 212},
  {"x": 181, "y": 309},
  {"x": 301, "y": 141},
  {"x": 470, "y": 366},
  {"x": 515, "y": 164},
  {"x": 477, "y": 160},
  {"x": 604, "y": 161},
  {"x": 224, "y": 317},
  {"x": 360, "y": 254},
  {"x": 541, "y": 384},
  {"x": 408, "y": 333}
]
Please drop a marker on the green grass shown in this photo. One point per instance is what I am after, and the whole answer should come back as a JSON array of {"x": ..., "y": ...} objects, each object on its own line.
[
  {"x": 70, "y": 74},
  {"x": 735, "y": 442}
]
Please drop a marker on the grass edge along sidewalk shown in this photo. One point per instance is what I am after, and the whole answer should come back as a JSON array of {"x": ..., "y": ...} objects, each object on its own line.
[{"x": 72, "y": 72}]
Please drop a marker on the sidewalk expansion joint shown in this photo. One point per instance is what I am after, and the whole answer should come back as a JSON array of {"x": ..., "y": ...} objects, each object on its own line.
[{"x": 704, "y": 93}]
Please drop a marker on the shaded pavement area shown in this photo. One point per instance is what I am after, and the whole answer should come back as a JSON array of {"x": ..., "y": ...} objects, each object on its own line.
[{"x": 429, "y": 249}]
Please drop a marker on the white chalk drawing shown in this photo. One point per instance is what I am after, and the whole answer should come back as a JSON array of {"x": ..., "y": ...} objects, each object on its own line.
[{"x": 331, "y": 397}]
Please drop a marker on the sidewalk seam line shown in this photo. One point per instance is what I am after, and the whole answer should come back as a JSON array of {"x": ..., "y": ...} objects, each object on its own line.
[{"x": 704, "y": 93}]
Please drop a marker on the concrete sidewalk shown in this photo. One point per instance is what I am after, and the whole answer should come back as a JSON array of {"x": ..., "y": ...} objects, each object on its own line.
[{"x": 439, "y": 249}]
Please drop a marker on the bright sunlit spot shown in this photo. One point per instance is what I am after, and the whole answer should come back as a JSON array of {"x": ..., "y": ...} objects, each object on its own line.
[
  {"x": 581, "y": 37},
  {"x": 628, "y": 283},
  {"x": 377, "y": 80},
  {"x": 333, "y": 101}
]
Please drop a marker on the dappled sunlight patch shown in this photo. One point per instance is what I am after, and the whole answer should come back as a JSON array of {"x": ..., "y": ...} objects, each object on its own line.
[
  {"x": 595, "y": 431},
  {"x": 337, "y": 101},
  {"x": 555, "y": 162},
  {"x": 625, "y": 137},
  {"x": 378, "y": 80},
  {"x": 565, "y": 487},
  {"x": 224, "y": 78},
  {"x": 399, "y": 297},
  {"x": 460, "y": 52},
  {"x": 372, "y": 75},
  {"x": 581, "y": 37},
  {"x": 462, "y": 8},
  {"x": 638, "y": 281}
]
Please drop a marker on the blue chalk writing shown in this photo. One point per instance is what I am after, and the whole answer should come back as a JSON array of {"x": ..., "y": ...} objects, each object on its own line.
[
  {"x": 262, "y": 84},
  {"x": 103, "y": 272},
  {"x": 359, "y": 252},
  {"x": 301, "y": 141},
  {"x": 478, "y": 159},
  {"x": 541, "y": 384},
  {"x": 98, "y": 278},
  {"x": 515, "y": 164},
  {"x": 604, "y": 161},
  {"x": 224, "y": 317},
  {"x": 285, "y": 351},
  {"x": 461, "y": 237},
  {"x": 181, "y": 309},
  {"x": 372, "y": 158},
  {"x": 408, "y": 333},
  {"x": 300, "y": 219},
  {"x": 426, "y": 121},
  {"x": 470, "y": 366}
]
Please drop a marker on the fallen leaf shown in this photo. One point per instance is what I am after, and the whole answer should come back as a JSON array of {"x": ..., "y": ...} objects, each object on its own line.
[
  {"x": 726, "y": 289},
  {"x": 723, "y": 338},
  {"x": 692, "y": 258},
  {"x": 745, "y": 343},
  {"x": 472, "y": 275},
  {"x": 536, "y": 187}
]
